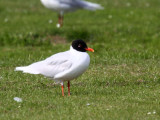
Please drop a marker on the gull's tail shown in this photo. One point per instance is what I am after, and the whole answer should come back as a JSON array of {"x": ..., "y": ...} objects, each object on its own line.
[
  {"x": 26, "y": 69},
  {"x": 90, "y": 5}
]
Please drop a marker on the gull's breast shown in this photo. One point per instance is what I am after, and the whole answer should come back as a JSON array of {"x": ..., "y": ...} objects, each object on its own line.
[{"x": 79, "y": 66}]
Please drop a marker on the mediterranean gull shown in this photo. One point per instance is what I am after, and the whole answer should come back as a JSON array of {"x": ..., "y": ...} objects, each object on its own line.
[{"x": 63, "y": 66}]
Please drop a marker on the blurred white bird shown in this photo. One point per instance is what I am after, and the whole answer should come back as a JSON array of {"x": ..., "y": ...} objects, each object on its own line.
[
  {"x": 64, "y": 66},
  {"x": 62, "y": 6}
]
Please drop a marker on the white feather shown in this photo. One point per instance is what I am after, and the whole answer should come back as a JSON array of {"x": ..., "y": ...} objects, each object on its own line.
[
  {"x": 62, "y": 6},
  {"x": 60, "y": 67},
  {"x": 89, "y": 5}
]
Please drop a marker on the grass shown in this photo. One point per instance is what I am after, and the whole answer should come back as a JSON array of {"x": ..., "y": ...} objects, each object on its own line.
[{"x": 123, "y": 79}]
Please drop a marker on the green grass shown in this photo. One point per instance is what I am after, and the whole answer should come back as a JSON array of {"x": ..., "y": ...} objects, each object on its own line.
[{"x": 122, "y": 82}]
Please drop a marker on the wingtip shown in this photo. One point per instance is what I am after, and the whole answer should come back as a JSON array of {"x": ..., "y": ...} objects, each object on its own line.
[
  {"x": 101, "y": 8},
  {"x": 17, "y": 69}
]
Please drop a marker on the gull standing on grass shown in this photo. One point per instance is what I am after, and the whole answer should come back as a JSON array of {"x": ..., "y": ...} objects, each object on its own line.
[
  {"x": 62, "y": 6},
  {"x": 63, "y": 66}
]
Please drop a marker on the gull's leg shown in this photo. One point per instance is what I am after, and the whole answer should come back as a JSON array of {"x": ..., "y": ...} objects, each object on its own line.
[
  {"x": 60, "y": 20},
  {"x": 68, "y": 88},
  {"x": 62, "y": 86}
]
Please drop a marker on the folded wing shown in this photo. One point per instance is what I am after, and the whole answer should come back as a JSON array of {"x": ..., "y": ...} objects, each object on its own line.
[
  {"x": 49, "y": 67},
  {"x": 81, "y": 4}
]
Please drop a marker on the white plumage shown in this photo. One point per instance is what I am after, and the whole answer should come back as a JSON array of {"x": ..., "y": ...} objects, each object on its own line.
[
  {"x": 60, "y": 67},
  {"x": 63, "y": 6},
  {"x": 63, "y": 66}
]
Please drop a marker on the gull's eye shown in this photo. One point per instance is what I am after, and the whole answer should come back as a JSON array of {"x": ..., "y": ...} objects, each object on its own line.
[{"x": 79, "y": 45}]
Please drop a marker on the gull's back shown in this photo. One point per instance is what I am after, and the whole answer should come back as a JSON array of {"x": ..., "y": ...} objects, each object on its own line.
[{"x": 69, "y": 5}]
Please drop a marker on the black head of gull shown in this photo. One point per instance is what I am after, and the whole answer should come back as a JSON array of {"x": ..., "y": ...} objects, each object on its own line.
[{"x": 81, "y": 46}]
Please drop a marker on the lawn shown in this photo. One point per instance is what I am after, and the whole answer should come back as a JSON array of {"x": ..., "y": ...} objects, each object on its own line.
[{"x": 122, "y": 81}]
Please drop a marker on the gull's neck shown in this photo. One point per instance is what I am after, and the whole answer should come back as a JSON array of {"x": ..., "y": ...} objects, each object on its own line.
[
  {"x": 75, "y": 51},
  {"x": 72, "y": 50}
]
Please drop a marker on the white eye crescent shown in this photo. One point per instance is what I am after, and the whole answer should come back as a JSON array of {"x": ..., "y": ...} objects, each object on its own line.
[{"x": 79, "y": 45}]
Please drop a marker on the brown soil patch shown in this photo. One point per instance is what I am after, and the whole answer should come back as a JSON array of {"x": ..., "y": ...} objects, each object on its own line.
[{"x": 57, "y": 39}]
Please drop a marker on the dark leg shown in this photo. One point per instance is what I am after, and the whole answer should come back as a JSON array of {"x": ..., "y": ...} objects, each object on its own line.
[
  {"x": 60, "y": 20},
  {"x": 68, "y": 88}
]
